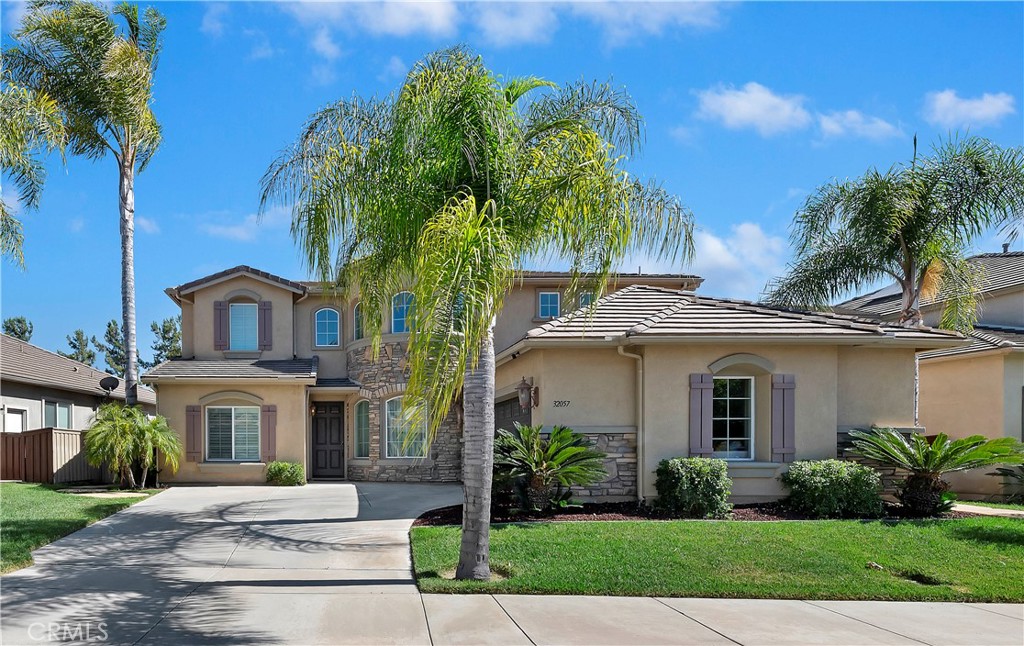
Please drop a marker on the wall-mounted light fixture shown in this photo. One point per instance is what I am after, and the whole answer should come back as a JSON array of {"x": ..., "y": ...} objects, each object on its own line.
[
  {"x": 312, "y": 410},
  {"x": 529, "y": 395}
]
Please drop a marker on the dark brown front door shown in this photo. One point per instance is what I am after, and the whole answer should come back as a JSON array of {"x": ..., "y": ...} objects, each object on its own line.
[{"x": 329, "y": 440}]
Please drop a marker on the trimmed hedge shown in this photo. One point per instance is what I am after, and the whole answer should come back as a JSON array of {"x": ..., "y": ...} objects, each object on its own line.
[
  {"x": 694, "y": 488},
  {"x": 286, "y": 474},
  {"x": 833, "y": 489}
]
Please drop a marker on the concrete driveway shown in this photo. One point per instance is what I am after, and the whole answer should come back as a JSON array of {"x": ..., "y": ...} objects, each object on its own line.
[{"x": 232, "y": 565}]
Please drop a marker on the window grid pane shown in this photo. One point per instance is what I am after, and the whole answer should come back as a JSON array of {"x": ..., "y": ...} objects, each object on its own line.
[
  {"x": 549, "y": 305},
  {"x": 731, "y": 426},
  {"x": 327, "y": 328},
  {"x": 403, "y": 439},
  {"x": 363, "y": 429},
  {"x": 247, "y": 434},
  {"x": 401, "y": 306},
  {"x": 63, "y": 415},
  {"x": 49, "y": 414},
  {"x": 357, "y": 321},
  {"x": 243, "y": 326},
  {"x": 218, "y": 433}
]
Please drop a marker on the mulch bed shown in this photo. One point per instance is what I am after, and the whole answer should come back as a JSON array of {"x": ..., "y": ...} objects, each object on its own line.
[{"x": 772, "y": 511}]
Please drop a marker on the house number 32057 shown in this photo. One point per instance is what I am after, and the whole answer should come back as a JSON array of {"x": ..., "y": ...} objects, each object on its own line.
[{"x": 561, "y": 403}]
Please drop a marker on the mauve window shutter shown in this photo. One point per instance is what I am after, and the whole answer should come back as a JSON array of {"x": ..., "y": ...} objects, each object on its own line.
[
  {"x": 268, "y": 433},
  {"x": 701, "y": 389},
  {"x": 220, "y": 325},
  {"x": 193, "y": 434},
  {"x": 783, "y": 418},
  {"x": 266, "y": 326}
]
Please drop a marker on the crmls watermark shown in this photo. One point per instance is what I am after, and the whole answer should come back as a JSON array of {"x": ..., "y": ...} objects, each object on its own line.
[{"x": 79, "y": 631}]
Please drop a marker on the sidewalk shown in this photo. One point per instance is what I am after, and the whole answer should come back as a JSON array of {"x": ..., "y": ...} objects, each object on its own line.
[{"x": 988, "y": 511}]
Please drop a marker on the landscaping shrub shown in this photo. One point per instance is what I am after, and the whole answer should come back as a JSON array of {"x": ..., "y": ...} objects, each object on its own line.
[
  {"x": 1014, "y": 483},
  {"x": 694, "y": 488},
  {"x": 286, "y": 474},
  {"x": 833, "y": 489}
]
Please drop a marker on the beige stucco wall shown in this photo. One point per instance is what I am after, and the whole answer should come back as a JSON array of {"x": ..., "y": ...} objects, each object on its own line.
[
  {"x": 188, "y": 343},
  {"x": 202, "y": 317},
  {"x": 508, "y": 375},
  {"x": 875, "y": 386},
  {"x": 292, "y": 433},
  {"x": 332, "y": 360},
  {"x": 595, "y": 386},
  {"x": 1004, "y": 307},
  {"x": 969, "y": 395}
]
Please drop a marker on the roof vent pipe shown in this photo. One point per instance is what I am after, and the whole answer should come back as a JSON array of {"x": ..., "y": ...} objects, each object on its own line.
[{"x": 1006, "y": 247}]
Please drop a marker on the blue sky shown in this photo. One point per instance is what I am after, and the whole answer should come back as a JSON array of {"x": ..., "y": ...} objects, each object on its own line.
[{"x": 748, "y": 107}]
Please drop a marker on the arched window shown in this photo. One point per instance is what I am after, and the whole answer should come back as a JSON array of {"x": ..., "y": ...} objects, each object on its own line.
[
  {"x": 406, "y": 436},
  {"x": 401, "y": 312},
  {"x": 362, "y": 447},
  {"x": 328, "y": 328},
  {"x": 357, "y": 321}
]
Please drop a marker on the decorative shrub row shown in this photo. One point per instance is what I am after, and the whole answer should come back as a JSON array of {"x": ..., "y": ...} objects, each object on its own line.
[
  {"x": 694, "y": 488},
  {"x": 833, "y": 489},
  {"x": 286, "y": 474}
]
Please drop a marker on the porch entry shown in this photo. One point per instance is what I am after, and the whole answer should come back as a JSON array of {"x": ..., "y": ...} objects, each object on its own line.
[{"x": 329, "y": 440}]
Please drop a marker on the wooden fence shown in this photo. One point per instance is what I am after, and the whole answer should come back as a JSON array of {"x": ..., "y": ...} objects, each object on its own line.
[{"x": 51, "y": 455}]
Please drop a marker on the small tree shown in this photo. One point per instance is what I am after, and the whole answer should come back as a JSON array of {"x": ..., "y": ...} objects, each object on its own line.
[
  {"x": 168, "y": 341},
  {"x": 19, "y": 327},
  {"x": 124, "y": 438},
  {"x": 112, "y": 348},
  {"x": 80, "y": 350},
  {"x": 923, "y": 491}
]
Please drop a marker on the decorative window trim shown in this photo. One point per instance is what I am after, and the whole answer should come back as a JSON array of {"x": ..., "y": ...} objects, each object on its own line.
[
  {"x": 355, "y": 427},
  {"x": 405, "y": 313},
  {"x": 256, "y": 325},
  {"x": 230, "y": 394},
  {"x": 233, "y": 458},
  {"x": 387, "y": 435},
  {"x": 243, "y": 295},
  {"x": 751, "y": 419},
  {"x": 741, "y": 358},
  {"x": 316, "y": 328}
]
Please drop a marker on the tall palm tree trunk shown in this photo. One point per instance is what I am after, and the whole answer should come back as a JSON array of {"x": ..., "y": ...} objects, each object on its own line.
[
  {"x": 127, "y": 205},
  {"x": 477, "y": 465}
]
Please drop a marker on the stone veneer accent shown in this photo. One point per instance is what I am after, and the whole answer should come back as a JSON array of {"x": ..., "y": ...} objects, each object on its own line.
[
  {"x": 381, "y": 380},
  {"x": 891, "y": 476},
  {"x": 620, "y": 464}
]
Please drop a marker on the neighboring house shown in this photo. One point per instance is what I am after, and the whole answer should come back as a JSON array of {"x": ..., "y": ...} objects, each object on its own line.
[
  {"x": 41, "y": 389},
  {"x": 278, "y": 369},
  {"x": 977, "y": 388}
]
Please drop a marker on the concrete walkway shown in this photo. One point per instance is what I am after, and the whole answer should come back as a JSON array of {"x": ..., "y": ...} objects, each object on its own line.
[
  {"x": 329, "y": 564},
  {"x": 988, "y": 511}
]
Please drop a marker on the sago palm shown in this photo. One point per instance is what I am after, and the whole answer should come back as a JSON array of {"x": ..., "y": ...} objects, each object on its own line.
[
  {"x": 913, "y": 224},
  {"x": 30, "y": 126},
  {"x": 100, "y": 75},
  {"x": 922, "y": 491},
  {"x": 445, "y": 188},
  {"x": 547, "y": 466}
]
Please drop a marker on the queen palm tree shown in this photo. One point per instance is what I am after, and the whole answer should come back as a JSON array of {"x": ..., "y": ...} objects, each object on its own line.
[
  {"x": 100, "y": 75},
  {"x": 30, "y": 124},
  {"x": 445, "y": 188},
  {"x": 913, "y": 223},
  {"x": 122, "y": 436}
]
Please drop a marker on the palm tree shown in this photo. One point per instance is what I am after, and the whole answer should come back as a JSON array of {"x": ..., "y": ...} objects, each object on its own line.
[
  {"x": 445, "y": 187},
  {"x": 922, "y": 491},
  {"x": 122, "y": 436},
  {"x": 30, "y": 124},
  {"x": 101, "y": 78},
  {"x": 912, "y": 223}
]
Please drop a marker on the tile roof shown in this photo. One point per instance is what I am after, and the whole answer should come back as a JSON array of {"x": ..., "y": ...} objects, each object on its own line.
[
  {"x": 1002, "y": 270},
  {"x": 646, "y": 312},
  {"x": 29, "y": 364},
  {"x": 341, "y": 382},
  {"x": 233, "y": 369},
  {"x": 984, "y": 338},
  {"x": 689, "y": 280},
  {"x": 240, "y": 269}
]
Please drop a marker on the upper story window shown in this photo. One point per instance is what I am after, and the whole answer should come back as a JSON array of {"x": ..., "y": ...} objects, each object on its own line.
[
  {"x": 328, "y": 328},
  {"x": 57, "y": 415},
  {"x": 401, "y": 312},
  {"x": 732, "y": 418},
  {"x": 406, "y": 436},
  {"x": 244, "y": 334},
  {"x": 357, "y": 321},
  {"x": 548, "y": 305}
]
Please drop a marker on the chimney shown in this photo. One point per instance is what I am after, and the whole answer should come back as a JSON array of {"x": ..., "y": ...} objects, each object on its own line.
[{"x": 1006, "y": 247}]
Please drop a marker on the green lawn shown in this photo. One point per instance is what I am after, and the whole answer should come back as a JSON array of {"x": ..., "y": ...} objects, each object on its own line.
[
  {"x": 997, "y": 505},
  {"x": 973, "y": 559},
  {"x": 32, "y": 515}
]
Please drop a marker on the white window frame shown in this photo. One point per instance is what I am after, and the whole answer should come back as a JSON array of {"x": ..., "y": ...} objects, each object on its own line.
[
  {"x": 58, "y": 403},
  {"x": 256, "y": 324},
  {"x": 19, "y": 412},
  {"x": 316, "y": 328},
  {"x": 405, "y": 314},
  {"x": 540, "y": 304},
  {"x": 357, "y": 323},
  {"x": 727, "y": 418},
  {"x": 259, "y": 434},
  {"x": 355, "y": 427},
  {"x": 387, "y": 434}
]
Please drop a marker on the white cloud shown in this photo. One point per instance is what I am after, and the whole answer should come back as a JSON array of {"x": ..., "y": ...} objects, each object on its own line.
[
  {"x": 852, "y": 123},
  {"x": 147, "y": 225},
  {"x": 683, "y": 134},
  {"x": 503, "y": 23},
  {"x": 753, "y": 106},
  {"x": 261, "y": 47},
  {"x": 947, "y": 109},
  {"x": 324, "y": 44},
  {"x": 213, "y": 19},
  {"x": 395, "y": 68},
  {"x": 249, "y": 228},
  {"x": 623, "y": 22},
  {"x": 380, "y": 18},
  {"x": 75, "y": 225}
]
